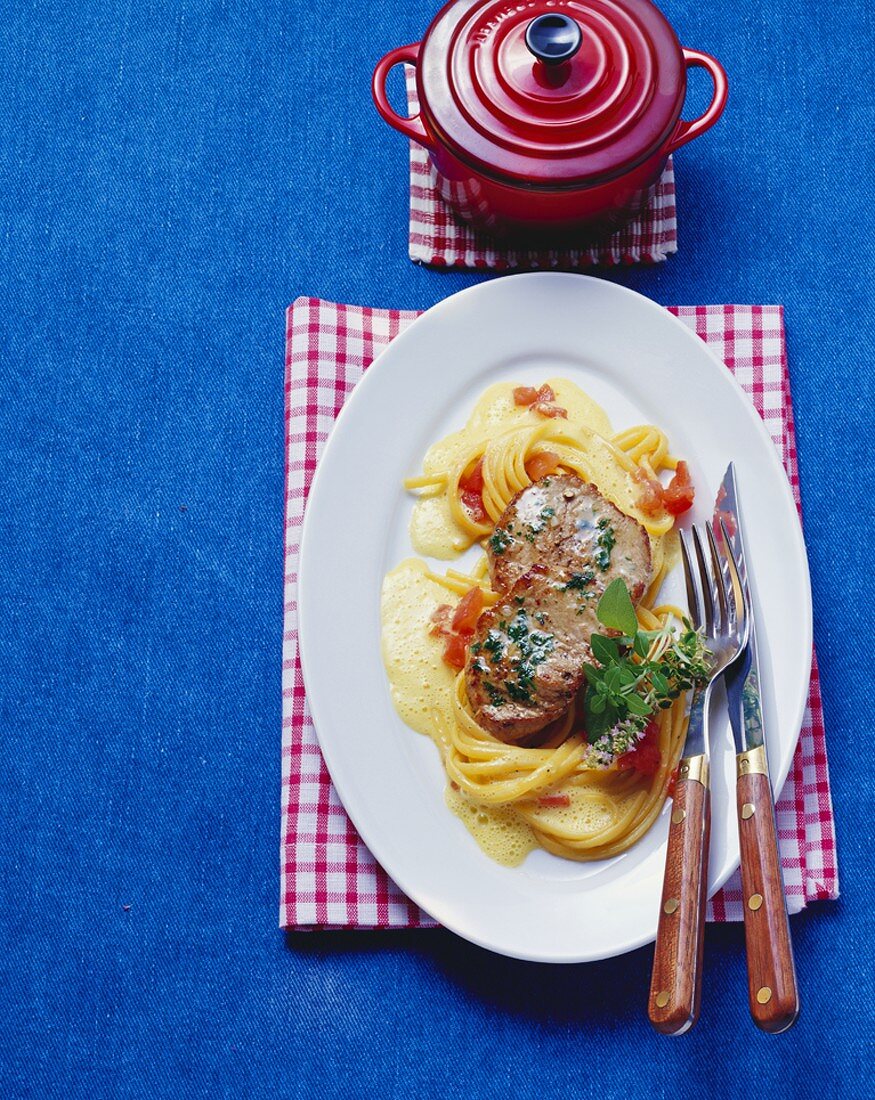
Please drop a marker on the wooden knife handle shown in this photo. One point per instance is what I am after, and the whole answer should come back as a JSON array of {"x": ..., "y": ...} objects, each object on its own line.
[
  {"x": 675, "y": 987},
  {"x": 771, "y": 974}
]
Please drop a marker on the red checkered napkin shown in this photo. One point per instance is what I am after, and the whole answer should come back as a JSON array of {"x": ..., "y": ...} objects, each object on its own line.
[
  {"x": 440, "y": 239},
  {"x": 328, "y": 877}
]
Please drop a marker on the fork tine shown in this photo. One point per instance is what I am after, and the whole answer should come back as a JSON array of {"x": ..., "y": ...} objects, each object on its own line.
[
  {"x": 738, "y": 593},
  {"x": 693, "y": 602},
  {"x": 706, "y": 582},
  {"x": 719, "y": 578}
]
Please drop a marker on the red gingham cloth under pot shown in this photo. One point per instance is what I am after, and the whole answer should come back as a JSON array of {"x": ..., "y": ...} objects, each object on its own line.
[
  {"x": 438, "y": 238},
  {"x": 328, "y": 877}
]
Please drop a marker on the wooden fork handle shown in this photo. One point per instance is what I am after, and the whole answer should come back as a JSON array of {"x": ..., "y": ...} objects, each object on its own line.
[
  {"x": 676, "y": 984},
  {"x": 771, "y": 974}
]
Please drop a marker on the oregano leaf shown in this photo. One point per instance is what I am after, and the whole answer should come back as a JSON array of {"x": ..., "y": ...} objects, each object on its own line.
[
  {"x": 615, "y": 609},
  {"x": 605, "y": 650}
]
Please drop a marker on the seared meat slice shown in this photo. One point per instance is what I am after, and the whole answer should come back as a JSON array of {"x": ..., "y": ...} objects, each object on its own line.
[
  {"x": 563, "y": 523},
  {"x": 556, "y": 548}
]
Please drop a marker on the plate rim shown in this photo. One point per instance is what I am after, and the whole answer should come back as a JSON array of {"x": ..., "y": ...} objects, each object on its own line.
[{"x": 778, "y": 778}]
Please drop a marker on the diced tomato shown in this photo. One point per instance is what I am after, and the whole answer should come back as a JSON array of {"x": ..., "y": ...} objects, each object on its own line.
[
  {"x": 554, "y": 800},
  {"x": 468, "y": 612},
  {"x": 472, "y": 482},
  {"x": 544, "y": 409},
  {"x": 525, "y": 395},
  {"x": 454, "y": 651},
  {"x": 649, "y": 494},
  {"x": 471, "y": 485},
  {"x": 644, "y": 760},
  {"x": 528, "y": 395},
  {"x": 456, "y": 625},
  {"x": 441, "y": 617},
  {"x": 679, "y": 494},
  {"x": 542, "y": 464},
  {"x": 675, "y": 498},
  {"x": 645, "y": 757},
  {"x": 473, "y": 503}
]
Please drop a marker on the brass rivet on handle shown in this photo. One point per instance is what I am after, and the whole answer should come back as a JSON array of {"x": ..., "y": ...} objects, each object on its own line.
[
  {"x": 678, "y": 816},
  {"x": 764, "y": 995},
  {"x": 684, "y": 769},
  {"x": 670, "y": 906},
  {"x": 754, "y": 902},
  {"x": 662, "y": 999},
  {"x": 748, "y": 810}
]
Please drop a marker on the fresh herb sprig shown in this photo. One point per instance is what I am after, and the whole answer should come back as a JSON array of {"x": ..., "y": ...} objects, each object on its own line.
[{"x": 642, "y": 671}]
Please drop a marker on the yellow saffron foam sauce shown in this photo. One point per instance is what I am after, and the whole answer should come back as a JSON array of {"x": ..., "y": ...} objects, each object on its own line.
[{"x": 421, "y": 686}]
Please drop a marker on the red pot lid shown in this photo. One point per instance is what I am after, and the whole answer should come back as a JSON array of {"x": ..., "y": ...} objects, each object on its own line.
[{"x": 513, "y": 111}]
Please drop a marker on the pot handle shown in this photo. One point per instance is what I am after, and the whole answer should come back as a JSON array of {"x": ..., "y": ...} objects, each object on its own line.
[
  {"x": 411, "y": 127},
  {"x": 686, "y": 131}
]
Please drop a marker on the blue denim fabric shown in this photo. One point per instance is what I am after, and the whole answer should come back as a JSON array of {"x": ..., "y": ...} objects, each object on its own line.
[{"x": 173, "y": 174}]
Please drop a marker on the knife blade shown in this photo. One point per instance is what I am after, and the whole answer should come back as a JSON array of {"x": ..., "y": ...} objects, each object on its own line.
[{"x": 742, "y": 679}]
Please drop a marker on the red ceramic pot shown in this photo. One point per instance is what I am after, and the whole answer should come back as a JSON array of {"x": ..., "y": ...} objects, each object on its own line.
[{"x": 549, "y": 116}]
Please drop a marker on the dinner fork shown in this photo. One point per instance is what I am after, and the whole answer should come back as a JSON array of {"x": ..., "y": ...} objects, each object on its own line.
[{"x": 718, "y": 608}]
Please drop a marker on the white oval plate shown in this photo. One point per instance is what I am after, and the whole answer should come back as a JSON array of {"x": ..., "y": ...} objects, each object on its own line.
[{"x": 641, "y": 364}]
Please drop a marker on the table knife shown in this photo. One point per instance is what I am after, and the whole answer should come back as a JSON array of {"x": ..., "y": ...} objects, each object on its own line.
[{"x": 772, "y": 991}]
